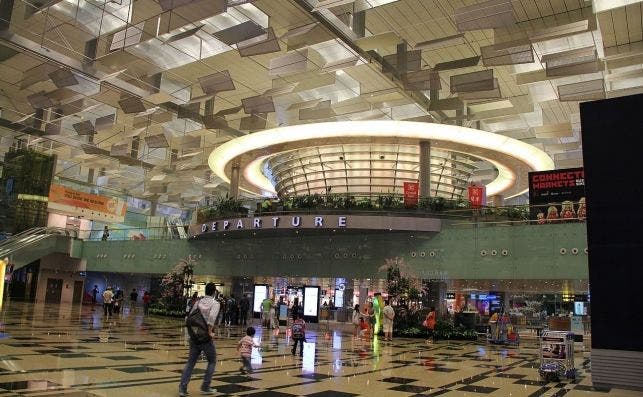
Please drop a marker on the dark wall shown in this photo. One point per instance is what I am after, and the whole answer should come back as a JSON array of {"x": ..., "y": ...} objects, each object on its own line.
[{"x": 612, "y": 148}]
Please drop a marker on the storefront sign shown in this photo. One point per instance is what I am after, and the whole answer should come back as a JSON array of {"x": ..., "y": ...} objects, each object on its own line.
[
  {"x": 368, "y": 222},
  {"x": 411, "y": 191},
  {"x": 557, "y": 195},
  {"x": 90, "y": 206},
  {"x": 477, "y": 196}
]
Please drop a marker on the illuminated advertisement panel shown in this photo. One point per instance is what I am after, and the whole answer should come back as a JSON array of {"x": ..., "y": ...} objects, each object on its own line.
[
  {"x": 261, "y": 292},
  {"x": 339, "y": 298},
  {"x": 311, "y": 301}
]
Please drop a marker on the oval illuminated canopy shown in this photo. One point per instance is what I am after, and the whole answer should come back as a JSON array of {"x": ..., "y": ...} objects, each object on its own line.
[{"x": 253, "y": 152}]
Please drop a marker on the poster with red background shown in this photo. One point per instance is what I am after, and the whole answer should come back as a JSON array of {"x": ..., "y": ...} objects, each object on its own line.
[
  {"x": 411, "y": 191},
  {"x": 477, "y": 196}
]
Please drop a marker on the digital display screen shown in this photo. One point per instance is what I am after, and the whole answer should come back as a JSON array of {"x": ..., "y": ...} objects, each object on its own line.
[
  {"x": 311, "y": 301},
  {"x": 579, "y": 308},
  {"x": 283, "y": 312},
  {"x": 261, "y": 292},
  {"x": 339, "y": 298}
]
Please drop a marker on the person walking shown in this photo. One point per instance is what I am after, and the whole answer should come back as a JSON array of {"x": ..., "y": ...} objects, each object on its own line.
[
  {"x": 133, "y": 297},
  {"x": 244, "y": 307},
  {"x": 209, "y": 310},
  {"x": 356, "y": 317},
  {"x": 108, "y": 297},
  {"x": 245, "y": 346},
  {"x": 94, "y": 294},
  {"x": 105, "y": 234},
  {"x": 429, "y": 323},
  {"x": 389, "y": 315},
  {"x": 118, "y": 301},
  {"x": 266, "y": 305},
  {"x": 298, "y": 334},
  {"x": 147, "y": 300}
]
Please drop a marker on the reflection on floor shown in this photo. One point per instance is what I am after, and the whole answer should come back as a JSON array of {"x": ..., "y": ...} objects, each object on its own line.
[{"x": 57, "y": 351}]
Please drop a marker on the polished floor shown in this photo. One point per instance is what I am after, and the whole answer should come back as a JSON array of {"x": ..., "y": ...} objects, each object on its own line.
[{"x": 61, "y": 351}]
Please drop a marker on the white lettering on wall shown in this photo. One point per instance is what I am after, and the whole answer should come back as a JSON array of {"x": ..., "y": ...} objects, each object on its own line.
[
  {"x": 341, "y": 221},
  {"x": 319, "y": 221},
  {"x": 295, "y": 221},
  {"x": 214, "y": 226},
  {"x": 204, "y": 228},
  {"x": 226, "y": 225},
  {"x": 239, "y": 224},
  {"x": 256, "y": 223},
  {"x": 275, "y": 221}
]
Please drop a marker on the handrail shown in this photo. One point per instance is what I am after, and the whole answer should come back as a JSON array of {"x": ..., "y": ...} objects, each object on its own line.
[
  {"x": 24, "y": 233},
  {"x": 19, "y": 238}
]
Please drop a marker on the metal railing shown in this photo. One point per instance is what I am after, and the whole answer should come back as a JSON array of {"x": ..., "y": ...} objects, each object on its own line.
[{"x": 32, "y": 236}]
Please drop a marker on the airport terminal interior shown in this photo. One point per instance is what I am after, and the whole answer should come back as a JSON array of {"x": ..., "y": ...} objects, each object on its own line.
[{"x": 417, "y": 166}]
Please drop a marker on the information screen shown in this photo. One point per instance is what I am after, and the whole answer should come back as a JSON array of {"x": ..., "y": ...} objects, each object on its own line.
[
  {"x": 261, "y": 292},
  {"x": 579, "y": 308},
  {"x": 339, "y": 298},
  {"x": 311, "y": 301}
]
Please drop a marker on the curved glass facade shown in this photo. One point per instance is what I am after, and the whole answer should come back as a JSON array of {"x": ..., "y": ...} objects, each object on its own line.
[{"x": 368, "y": 169}]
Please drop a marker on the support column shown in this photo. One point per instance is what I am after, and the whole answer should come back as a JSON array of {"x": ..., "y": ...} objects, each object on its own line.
[
  {"x": 436, "y": 295},
  {"x": 234, "y": 181},
  {"x": 496, "y": 200},
  {"x": 425, "y": 169}
]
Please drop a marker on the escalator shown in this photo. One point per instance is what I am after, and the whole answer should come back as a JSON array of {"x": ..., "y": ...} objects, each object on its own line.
[{"x": 32, "y": 244}]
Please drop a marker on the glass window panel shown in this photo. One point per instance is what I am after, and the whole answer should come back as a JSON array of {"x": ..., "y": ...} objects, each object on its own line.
[
  {"x": 335, "y": 174},
  {"x": 360, "y": 173},
  {"x": 406, "y": 174}
]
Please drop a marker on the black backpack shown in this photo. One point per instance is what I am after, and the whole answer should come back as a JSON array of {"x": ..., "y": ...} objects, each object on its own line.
[{"x": 197, "y": 326}]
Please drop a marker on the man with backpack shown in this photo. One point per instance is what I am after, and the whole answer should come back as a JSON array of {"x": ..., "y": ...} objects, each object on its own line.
[
  {"x": 200, "y": 325},
  {"x": 298, "y": 334}
]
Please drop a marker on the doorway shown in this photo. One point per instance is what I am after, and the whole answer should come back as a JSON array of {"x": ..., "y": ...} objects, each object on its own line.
[
  {"x": 78, "y": 292},
  {"x": 54, "y": 290}
]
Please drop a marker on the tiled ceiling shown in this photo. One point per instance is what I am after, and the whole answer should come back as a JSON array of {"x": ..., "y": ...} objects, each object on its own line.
[{"x": 121, "y": 87}]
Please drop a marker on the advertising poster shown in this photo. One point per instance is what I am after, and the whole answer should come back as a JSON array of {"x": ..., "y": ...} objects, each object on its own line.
[
  {"x": 91, "y": 206},
  {"x": 477, "y": 196},
  {"x": 339, "y": 298},
  {"x": 311, "y": 301},
  {"x": 557, "y": 195},
  {"x": 261, "y": 292},
  {"x": 411, "y": 192}
]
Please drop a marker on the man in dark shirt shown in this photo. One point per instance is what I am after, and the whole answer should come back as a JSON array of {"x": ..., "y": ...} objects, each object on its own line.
[
  {"x": 94, "y": 293},
  {"x": 133, "y": 297},
  {"x": 244, "y": 306}
]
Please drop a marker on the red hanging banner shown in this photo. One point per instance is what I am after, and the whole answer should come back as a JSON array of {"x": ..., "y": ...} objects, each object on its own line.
[
  {"x": 477, "y": 196},
  {"x": 411, "y": 191}
]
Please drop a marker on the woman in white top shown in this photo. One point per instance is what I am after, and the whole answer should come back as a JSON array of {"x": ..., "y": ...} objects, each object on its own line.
[{"x": 356, "y": 315}]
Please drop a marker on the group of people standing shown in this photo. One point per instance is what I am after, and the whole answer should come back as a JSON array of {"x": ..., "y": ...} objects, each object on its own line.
[
  {"x": 113, "y": 302},
  {"x": 365, "y": 320}
]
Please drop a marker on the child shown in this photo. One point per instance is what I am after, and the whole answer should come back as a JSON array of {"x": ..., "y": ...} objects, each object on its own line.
[
  {"x": 245, "y": 346},
  {"x": 363, "y": 329},
  {"x": 298, "y": 333}
]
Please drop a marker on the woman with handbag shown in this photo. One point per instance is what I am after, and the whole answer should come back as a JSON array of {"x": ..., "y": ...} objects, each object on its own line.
[{"x": 429, "y": 323}]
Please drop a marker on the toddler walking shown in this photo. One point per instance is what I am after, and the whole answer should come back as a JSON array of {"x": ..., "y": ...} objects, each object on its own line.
[{"x": 245, "y": 346}]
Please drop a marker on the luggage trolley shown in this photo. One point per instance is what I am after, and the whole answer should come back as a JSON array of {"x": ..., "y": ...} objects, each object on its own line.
[{"x": 557, "y": 355}]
